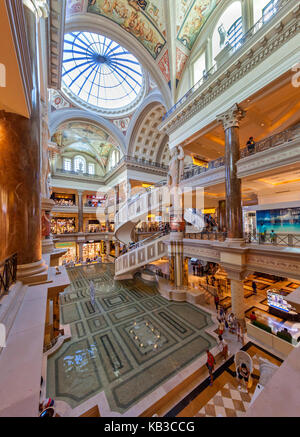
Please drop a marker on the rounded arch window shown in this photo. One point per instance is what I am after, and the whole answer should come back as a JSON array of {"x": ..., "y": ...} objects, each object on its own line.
[
  {"x": 228, "y": 28},
  {"x": 79, "y": 164}
]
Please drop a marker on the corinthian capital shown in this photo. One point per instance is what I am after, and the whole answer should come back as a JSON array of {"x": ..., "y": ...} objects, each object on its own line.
[{"x": 231, "y": 117}]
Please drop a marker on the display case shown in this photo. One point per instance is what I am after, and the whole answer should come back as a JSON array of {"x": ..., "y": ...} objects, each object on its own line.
[{"x": 279, "y": 307}]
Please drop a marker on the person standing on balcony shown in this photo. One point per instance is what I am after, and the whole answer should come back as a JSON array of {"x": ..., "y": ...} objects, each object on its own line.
[
  {"x": 273, "y": 237},
  {"x": 254, "y": 286},
  {"x": 251, "y": 145}
]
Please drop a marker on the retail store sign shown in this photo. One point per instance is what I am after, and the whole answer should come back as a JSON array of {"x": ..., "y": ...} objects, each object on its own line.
[
  {"x": 2, "y": 76},
  {"x": 2, "y": 335}
]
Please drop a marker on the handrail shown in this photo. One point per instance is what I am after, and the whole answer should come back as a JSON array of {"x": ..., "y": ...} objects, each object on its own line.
[
  {"x": 285, "y": 240},
  {"x": 8, "y": 273},
  {"x": 237, "y": 46},
  {"x": 125, "y": 159},
  {"x": 274, "y": 140}
]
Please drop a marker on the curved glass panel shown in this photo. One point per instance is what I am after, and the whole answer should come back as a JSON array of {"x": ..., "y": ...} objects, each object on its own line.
[{"x": 100, "y": 72}]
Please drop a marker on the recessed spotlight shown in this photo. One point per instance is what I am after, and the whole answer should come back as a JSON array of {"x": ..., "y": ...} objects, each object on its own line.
[{"x": 262, "y": 124}]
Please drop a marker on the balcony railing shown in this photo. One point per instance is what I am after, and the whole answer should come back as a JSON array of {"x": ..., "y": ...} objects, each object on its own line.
[
  {"x": 8, "y": 273},
  {"x": 212, "y": 236},
  {"x": 125, "y": 159},
  {"x": 285, "y": 240},
  {"x": 238, "y": 44},
  {"x": 265, "y": 144}
]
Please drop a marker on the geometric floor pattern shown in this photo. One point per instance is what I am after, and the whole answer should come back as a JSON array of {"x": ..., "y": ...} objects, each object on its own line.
[
  {"x": 128, "y": 344},
  {"x": 228, "y": 402}
]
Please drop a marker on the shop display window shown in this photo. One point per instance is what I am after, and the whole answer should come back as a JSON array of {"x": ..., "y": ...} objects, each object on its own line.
[{"x": 63, "y": 225}]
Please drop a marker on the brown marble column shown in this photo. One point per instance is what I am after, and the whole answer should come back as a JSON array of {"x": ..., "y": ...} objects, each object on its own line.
[
  {"x": 222, "y": 215},
  {"x": 20, "y": 211},
  {"x": 56, "y": 317},
  {"x": 80, "y": 211},
  {"x": 234, "y": 216}
]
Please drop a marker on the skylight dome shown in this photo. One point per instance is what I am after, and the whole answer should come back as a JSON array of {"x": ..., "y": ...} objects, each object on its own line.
[{"x": 100, "y": 74}]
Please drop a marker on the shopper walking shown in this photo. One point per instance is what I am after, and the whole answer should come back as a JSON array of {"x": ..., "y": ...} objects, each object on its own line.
[{"x": 210, "y": 363}]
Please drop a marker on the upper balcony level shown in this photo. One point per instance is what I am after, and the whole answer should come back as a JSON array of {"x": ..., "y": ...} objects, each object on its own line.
[
  {"x": 279, "y": 150},
  {"x": 263, "y": 54},
  {"x": 125, "y": 163}
]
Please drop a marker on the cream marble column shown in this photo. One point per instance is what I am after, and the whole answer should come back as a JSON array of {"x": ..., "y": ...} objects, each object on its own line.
[
  {"x": 107, "y": 248},
  {"x": 237, "y": 300},
  {"x": 208, "y": 54},
  {"x": 80, "y": 249},
  {"x": 247, "y": 15},
  {"x": 80, "y": 211},
  {"x": 230, "y": 120}
]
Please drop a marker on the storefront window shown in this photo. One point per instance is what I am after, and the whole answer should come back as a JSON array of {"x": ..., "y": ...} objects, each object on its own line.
[
  {"x": 64, "y": 199},
  {"x": 63, "y": 225}
]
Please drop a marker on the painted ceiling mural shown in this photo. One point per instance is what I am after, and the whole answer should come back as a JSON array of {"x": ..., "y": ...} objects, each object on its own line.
[
  {"x": 195, "y": 17},
  {"x": 144, "y": 19},
  {"x": 74, "y": 7},
  {"x": 85, "y": 137}
]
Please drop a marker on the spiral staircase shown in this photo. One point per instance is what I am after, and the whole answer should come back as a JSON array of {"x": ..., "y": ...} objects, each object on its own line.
[{"x": 136, "y": 209}]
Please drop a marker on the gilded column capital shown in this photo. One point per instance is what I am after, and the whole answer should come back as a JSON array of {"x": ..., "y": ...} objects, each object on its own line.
[{"x": 231, "y": 117}]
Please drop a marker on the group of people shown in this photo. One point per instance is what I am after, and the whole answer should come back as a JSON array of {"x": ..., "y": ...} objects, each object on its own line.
[
  {"x": 64, "y": 202},
  {"x": 229, "y": 321},
  {"x": 154, "y": 227}
]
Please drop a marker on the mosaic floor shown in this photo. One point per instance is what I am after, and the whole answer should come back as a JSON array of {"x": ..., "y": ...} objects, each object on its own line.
[
  {"x": 130, "y": 343},
  {"x": 223, "y": 398}
]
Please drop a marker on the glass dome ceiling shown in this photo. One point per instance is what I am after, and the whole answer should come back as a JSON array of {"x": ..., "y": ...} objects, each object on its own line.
[{"x": 98, "y": 73}]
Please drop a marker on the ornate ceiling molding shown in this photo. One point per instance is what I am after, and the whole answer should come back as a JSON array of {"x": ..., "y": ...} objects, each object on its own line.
[
  {"x": 15, "y": 10},
  {"x": 56, "y": 31},
  {"x": 256, "y": 50}
]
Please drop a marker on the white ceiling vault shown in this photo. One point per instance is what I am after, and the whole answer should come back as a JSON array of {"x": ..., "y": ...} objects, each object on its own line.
[{"x": 161, "y": 35}]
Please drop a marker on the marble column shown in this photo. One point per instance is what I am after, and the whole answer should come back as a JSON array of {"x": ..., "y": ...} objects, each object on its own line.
[
  {"x": 222, "y": 215},
  {"x": 107, "y": 248},
  {"x": 80, "y": 251},
  {"x": 80, "y": 211},
  {"x": 56, "y": 317},
  {"x": 237, "y": 300},
  {"x": 186, "y": 271},
  {"x": 208, "y": 54},
  {"x": 20, "y": 212},
  {"x": 106, "y": 219},
  {"x": 117, "y": 198},
  {"x": 230, "y": 120},
  {"x": 247, "y": 15}
]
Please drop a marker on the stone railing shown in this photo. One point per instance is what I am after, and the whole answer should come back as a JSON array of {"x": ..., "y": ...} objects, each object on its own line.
[
  {"x": 279, "y": 4},
  {"x": 212, "y": 236},
  {"x": 267, "y": 143},
  {"x": 286, "y": 240},
  {"x": 151, "y": 250}
]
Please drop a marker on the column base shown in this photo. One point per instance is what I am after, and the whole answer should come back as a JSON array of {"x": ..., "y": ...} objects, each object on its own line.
[
  {"x": 47, "y": 245},
  {"x": 33, "y": 273},
  {"x": 236, "y": 241}
]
